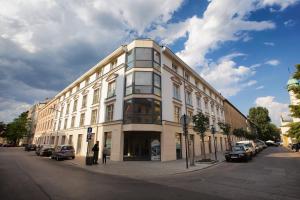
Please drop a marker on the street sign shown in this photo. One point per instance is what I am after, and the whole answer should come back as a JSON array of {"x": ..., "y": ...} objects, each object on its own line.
[{"x": 89, "y": 130}]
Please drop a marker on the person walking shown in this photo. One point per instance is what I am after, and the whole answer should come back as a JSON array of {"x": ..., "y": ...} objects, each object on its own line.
[
  {"x": 95, "y": 149},
  {"x": 104, "y": 154}
]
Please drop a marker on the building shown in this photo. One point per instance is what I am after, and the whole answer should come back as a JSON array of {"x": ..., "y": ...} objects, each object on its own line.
[
  {"x": 285, "y": 120},
  {"x": 44, "y": 131},
  {"x": 237, "y": 119},
  {"x": 133, "y": 100}
]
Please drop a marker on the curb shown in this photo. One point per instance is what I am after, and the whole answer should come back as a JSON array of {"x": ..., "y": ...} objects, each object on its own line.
[{"x": 212, "y": 165}]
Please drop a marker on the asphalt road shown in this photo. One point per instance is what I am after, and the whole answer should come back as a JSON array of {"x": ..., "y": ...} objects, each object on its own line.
[{"x": 273, "y": 174}]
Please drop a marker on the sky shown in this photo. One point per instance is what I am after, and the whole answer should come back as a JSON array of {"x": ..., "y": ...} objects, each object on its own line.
[{"x": 246, "y": 49}]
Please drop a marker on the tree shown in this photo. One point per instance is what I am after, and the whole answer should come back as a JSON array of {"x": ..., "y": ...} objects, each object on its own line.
[
  {"x": 17, "y": 129},
  {"x": 226, "y": 131},
  {"x": 265, "y": 129},
  {"x": 201, "y": 124},
  {"x": 294, "y": 131}
]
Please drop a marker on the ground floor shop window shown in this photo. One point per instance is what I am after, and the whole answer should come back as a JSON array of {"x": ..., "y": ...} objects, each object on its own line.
[
  {"x": 142, "y": 146},
  {"x": 178, "y": 142},
  {"x": 107, "y": 142},
  {"x": 79, "y": 143}
]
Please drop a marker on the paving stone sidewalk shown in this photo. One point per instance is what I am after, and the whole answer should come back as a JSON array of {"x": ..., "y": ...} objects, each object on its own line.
[{"x": 144, "y": 169}]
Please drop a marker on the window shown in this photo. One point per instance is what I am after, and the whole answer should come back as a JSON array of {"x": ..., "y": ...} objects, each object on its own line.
[
  {"x": 156, "y": 84},
  {"x": 59, "y": 125},
  {"x": 75, "y": 105},
  {"x": 94, "y": 116},
  {"x": 63, "y": 139},
  {"x": 68, "y": 108},
  {"x": 70, "y": 142},
  {"x": 83, "y": 104},
  {"x": 206, "y": 105},
  {"x": 86, "y": 81},
  {"x": 143, "y": 83},
  {"x": 72, "y": 121},
  {"x": 199, "y": 102},
  {"x": 190, "y": 113},
  {"x": 130, "y": 59},
  {"x": 176, "y": 91},
  {"x": 111, "y": 92},
  {"x": 109, "y": 112},
  {"x": 177, "y": 114},
  {"x": 156, "y": 59},
  {"x": 65, "y": 124},
  {"x": 113, "y": 64},
  {"x": 142, "y": 111},
  {"x": 143, "y": 57},
  {"x": 174, "y": 67},
  {"x": 189, "y": 98},
  {"x": 187, "y": 76},
  {"x": 212, "y": 108},
  {"x": 96, "y": 96},
  {"x": 129, "y": 82},
  {"x": 82, "y": 116}
]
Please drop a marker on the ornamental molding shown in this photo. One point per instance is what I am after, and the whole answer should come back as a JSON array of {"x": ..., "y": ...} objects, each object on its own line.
[
  {"x": 112, "y": 77},
  {"x": 189, "y": 88},
  {"x": 198, "y": 94},
  {"x": 96, "y": 85},
  {"x": 206, "y": 99},
  {"x": 76, "y": 97},
  {"x": 176, "y": 80},
  {"x": 84, "y": 92}
]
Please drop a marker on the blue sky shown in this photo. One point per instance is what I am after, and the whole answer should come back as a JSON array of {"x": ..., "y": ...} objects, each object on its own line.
[{"x": 242, "y": 47}]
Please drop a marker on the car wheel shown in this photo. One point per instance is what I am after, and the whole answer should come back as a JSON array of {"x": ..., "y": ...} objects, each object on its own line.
[
  {"x": 227, "y": 159},
  {"x": 57, "y": 158},
  {"x": 73, "y": 157}
]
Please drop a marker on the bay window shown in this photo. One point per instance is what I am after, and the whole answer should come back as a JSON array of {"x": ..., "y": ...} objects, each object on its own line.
[
  {"x": 143, "y": 57},
  {"x": 142, "y": 111}
]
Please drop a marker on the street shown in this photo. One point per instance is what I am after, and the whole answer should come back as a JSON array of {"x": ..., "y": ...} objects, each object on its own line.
[{"x": 273, "y": 174}]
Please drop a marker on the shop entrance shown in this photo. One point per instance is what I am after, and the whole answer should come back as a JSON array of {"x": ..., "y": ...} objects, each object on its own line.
[{"x": 141, "y": 146}]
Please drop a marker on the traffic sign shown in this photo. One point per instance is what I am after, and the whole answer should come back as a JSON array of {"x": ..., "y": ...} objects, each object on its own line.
[{"x": 89, "y": 130}]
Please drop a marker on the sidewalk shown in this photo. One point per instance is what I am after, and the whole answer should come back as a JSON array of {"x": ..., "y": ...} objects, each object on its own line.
[{"x": 143, "y": 169}]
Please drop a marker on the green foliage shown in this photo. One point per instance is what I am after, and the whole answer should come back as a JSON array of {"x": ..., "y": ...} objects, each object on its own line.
[
  {"x": 17, "y": 129},
  {"x": 239, "y": 132},
  {"x": 297, "y": 73},
  {"x": 201, "y": 124},
  {"x": 265, "y": 129},
  {"x": 225, "y": 128},
  {"x": 294, "y": 131}
]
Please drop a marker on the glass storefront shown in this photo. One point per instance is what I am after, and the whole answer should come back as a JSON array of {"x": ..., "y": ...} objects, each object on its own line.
[{"x": 141, "y": 146}]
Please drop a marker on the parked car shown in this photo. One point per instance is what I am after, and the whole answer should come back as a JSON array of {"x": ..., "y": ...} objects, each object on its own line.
[
  {"x": 263, "y": 143},
  {"x": 272, "y": 143},
  {"x": 296, "y": 147},
  {"x": 63, "y": 152},
  {"x": 30, "y": 147},
  {"x": 240, "y": 152},
  {"x": 46, "y": 150},
  {"x": 249, "y": 144},
  {"x": 41, "y": 149}
]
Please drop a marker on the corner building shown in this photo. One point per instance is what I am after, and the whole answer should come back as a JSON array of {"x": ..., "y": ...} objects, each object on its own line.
[{"x": 133, "y": 100}]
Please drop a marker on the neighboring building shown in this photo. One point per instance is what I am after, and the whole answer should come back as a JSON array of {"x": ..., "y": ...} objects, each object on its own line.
[
  {"x": 285, "y": 120},
  {"x": 237, "y": 119},
  {"x": 133, "y": 100},
  {"x": 32, "y": 118},
  {"x": 44, "y": 131}
]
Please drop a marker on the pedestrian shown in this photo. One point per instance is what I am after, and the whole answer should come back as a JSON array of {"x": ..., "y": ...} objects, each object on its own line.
[
  {"x": 104, "y": 154},
  {"x": 95, "y": 149}
]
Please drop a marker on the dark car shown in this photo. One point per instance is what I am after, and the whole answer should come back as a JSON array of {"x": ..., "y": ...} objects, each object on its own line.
[
  {"x": 241, "y": 153},
  {"x": 46, "y": 150},
  {"x": 30, "y": 147},
  {"x": 63, "y": 152},
  {"x": 296, "y": 147}
]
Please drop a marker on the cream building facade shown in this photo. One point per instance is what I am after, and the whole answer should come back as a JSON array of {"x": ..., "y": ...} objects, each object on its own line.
[
  {"x": 285, "y": 120},
  {"x": 133, "y": 100}
]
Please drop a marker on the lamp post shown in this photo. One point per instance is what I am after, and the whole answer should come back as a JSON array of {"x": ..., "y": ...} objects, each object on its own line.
[{"x": 213, "y": 131}]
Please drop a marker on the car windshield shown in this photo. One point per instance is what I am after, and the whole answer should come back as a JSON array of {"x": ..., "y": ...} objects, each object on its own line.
[{"x": 238, "y": 148}]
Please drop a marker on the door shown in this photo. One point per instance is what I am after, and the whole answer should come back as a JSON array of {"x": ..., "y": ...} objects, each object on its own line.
[{"x": 192, "y": 149}]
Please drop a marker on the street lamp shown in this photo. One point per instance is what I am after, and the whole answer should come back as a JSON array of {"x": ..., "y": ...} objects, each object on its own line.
[{"x": 213, "y": 131}]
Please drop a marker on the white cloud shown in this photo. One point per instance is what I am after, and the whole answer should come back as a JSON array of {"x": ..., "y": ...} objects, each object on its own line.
[
  {"x": 276, "y": 109},
  {"x": 269, "y": 44},
  {"x": 283, "y": 4},
  {"x": 228, "y": 77},
  {"x": 260, "y": 87},
  {"x": 10, "y": 109},
  {"x": 273, "y": 62},
  {"x": 289, "y": 23}
]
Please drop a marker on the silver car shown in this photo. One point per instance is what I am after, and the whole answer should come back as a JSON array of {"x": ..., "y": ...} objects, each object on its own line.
[{"x": 63, "y": 152}]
